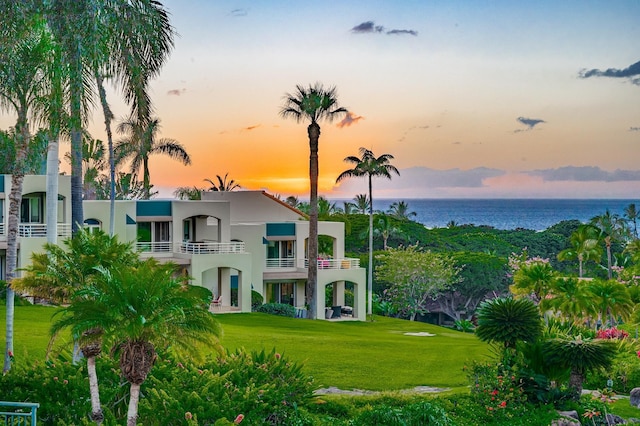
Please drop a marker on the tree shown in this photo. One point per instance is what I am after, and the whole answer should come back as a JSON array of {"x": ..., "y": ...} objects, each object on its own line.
[
  {"x": 508, "y": 321},
  {"x": 534, "y": 276},
  {"x": 224, "y": 184},
  {"x": 188, "y": 193},
  {"x": 611, "y": 228},
  {"x": 580, "y": 355},
  {"x": 400, "y": 210},
  {"x": 415, "y": 277},
  {"x": 570, "y": 298},
  {"x": 23, "y": 57},
  {"x": 370, "y": 166},
  {"x": 313, "y": 104},
  {"x": 584, "y": 246},
  {"x": 385, "y": 229},
  {"x": 144, "y": 310},
  {"x": 362, "y": 203},
  {"x": 631, "y": 214},
  {"x": 59, "y": 272},
  {"x": 140, "y": 142},
  {"x": 611, "y": 300}
]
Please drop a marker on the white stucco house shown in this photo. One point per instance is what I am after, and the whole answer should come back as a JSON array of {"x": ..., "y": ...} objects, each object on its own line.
[{"x": 229, "y": 242}]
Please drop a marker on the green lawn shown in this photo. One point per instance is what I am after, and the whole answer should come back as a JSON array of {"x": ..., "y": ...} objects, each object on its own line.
[{"x": 362, "y": 355}]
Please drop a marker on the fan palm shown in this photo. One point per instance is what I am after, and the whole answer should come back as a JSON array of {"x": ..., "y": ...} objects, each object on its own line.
[
  {"x": 580, "y": 355},
  {"x": 140, "y": 142},
  {"x": 370, "y": 166},
  {"x": 224, "y": 184},
  {"x": 584, "y": 246},
  {"x": 143, "y": 310},
  {"x": 314, "y": 104}
]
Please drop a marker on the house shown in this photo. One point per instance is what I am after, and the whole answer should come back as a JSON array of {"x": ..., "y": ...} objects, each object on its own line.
[{"x": 229, "y": 242}]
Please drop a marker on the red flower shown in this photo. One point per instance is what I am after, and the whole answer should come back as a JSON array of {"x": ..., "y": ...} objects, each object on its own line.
[
  {"x": 495, "y": 392},
  {"x": 503, "y": 404},
  {"x": 188, "y": 415},
  {"x": 238, "y": 419}
]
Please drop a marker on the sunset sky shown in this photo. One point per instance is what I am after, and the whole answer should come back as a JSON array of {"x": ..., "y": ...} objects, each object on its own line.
[{"x": 486, "y": 99}]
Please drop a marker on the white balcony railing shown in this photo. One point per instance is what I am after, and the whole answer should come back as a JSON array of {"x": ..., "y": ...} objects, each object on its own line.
[
  {"x": 209, "y": 247},
  {"x": 347, "y": 263},
  {"x": 154, "y": 247},
  {"x": 1, "y": 228},
  {"x": 29, "y": 230}
]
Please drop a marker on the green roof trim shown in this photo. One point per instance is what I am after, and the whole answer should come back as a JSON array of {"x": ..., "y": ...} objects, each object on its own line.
[
  {"x": 130, "y": 221},
  {"x": 281, "y": 229},
  {"x": 153, "y": 208},
  {"x": 1, "y": 183}
]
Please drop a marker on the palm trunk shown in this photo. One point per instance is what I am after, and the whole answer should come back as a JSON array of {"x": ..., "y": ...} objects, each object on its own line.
[
  {"x": 77, "y": 90},
  {"x": 134, "y": 397},
  {"x": 370, "y": 277},
  {"x": 52, "y": 189},
  {"x": 312, "y": 279},
  {"x": 108, "y": 117},
  {"x": 609, "y": 272},
  {"x": 146, "y": 180},
  {"x": 96, "y": 409},
  {"x": 575, "y": 382}
]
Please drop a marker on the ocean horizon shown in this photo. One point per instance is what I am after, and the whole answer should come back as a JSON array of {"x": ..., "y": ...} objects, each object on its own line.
[{"x": 503, "y": 213}]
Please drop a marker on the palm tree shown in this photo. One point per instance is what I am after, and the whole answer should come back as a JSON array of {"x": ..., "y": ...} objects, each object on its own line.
[
  {"x": 293, "y": 201},
  {"x": 508, "y": 321},
  {"x": 223, "y": 184},
  {"x": 400, "y": 210},
  {"x": 611, "y": 299},
  {"x": 313, "y": 104},
  {"x": 534, "y": 277},
  {"x": 23, "y": 57},
  {"x": 585, "y": 246},
  {"x": 142, "y": 310},
  {"x": 580, "y": 355},
  {"x": 188, "y": 193},
  {"x": 362, "y": 203},
  {"x": 632, "y": 215},
  {"x": 571, "y": 298},
  {"x": 370, "y": 166},
  {"x": 59, "y": 272},
  {"x": 385, "y": 229},
  {"x": 140, "y": 142},
  {"x": 611, "y": 228},
  {"x": 348, "y": 207}
]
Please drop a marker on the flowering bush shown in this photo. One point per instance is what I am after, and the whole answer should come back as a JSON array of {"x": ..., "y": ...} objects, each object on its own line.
[
  {"x": 496, "y": 387},
  {"x": 611, "y": 333}
]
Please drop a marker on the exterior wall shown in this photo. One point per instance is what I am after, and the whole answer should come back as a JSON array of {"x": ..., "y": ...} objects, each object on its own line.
[
  {"x": 99, "y": 210},
  {"x": 220, "y": 210},
  {"x": 255, "y": 206}
]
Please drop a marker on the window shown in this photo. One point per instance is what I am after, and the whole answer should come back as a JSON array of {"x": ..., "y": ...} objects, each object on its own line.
[
  {"x": 92, "y": 225},
  {"x": 31, "y": 210}
]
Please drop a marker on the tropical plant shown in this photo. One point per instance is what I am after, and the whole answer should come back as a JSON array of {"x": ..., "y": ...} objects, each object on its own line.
[
  {"x": 631, "y": 214},
  {"x": 571, "y": 299},
  {"x": 534, "y": 276},
  {"x": 584, "y": 246},
  {"x": 507, "y": 321},
  {"x": 580, "y": 355},
  {"x": 362, "y": 203},
  {"x": 224, "y": 184},
  {"x": 293, "y": 201},
  {"x": 370, "y": 166},
  {"x": 314, "y": 104},
  {"x": 611, "y": 300},
  {"x": 612, "y": 228},
  {"x": 385, "y": 230},
  {"x": 142, "y": 310},
  {"x": 140, "y": 142},
  {"x": 188, "y": 193},
  {"x": 400, "y": 210}
]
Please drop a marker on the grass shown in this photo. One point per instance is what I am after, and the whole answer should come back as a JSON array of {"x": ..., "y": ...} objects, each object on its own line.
[{"x": 349, "y": 355}]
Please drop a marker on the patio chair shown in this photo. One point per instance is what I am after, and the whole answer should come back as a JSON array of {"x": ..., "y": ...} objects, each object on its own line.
[{"x": 217, "y": 302}]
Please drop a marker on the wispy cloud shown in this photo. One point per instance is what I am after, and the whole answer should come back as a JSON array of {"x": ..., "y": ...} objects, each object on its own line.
[
  {"x": 370, "y": 27},
  {"x": 176, "y": 92},
  {"x": 239, "y": 12},
  {"x": 632, "y": 73},
  {"x": 529, "y": 122},
  {"x": 349, "y": 119},
  {"x": 634, "y": 129},
  {"x": 249, "y": 128},
  {"x": 586, "y": 174}
]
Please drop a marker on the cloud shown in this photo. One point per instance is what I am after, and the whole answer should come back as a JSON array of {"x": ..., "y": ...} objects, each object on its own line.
[
  {"x": 249, "y": 128},
  {"x": 529, "y": 122},
  {"x": 239, "y": 12},
  {"x": 370, "y": 27},
  {"x": 632, "y": 72},
  {"x": 586, "y": 174},
  {"x": 367, "y": 27},
  {"x": 634, "y": 129},
  {"x": 176, "y": 92},
  {"x": 349, "y": 119}
]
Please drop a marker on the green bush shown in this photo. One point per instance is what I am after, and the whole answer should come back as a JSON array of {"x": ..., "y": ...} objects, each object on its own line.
[
  {"x": 256, "y": 300},
  {"x": 624, "y": 373},
  {"x": 417, "y": 414},
  {"x": 281, "y": 309}
]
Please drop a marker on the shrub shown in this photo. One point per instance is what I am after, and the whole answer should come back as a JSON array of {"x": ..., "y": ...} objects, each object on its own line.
[
  {"x": 417, "y": 414},
  {"x": 256, "y": 300},
  {"x": 281, "y": 309},
  {"x": 464, "y": 325}
]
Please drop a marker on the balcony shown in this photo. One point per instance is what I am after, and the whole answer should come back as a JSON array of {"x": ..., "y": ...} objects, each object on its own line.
[
  {"x": 2, "y": 229},
  {"x": 33, "y": 230},
  {"x": 190, "y": 247},
  {"x": 347, "y": 263}
]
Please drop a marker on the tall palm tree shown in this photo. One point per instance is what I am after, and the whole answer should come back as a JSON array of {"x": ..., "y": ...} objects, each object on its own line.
[
  {"x": 611, "y": 299},
  {"x": 143, "y": 310},
  {"x": 584, "y": 246},
  {"x": 140, "y": 142},
  {"x": 571, "y": 298},
  {"x": 370, "y": 166},
  {"x": 580, "y": 355},
  {"x": 188, "y": 193},
  {"x": 362, "y": 203},
  {"x": 223, "y": 184},
  {"x": 611, "y": 228},
  {"x": 23, "y": 57},
  {"x": 314, "y": 104},
  {"x": 400, "y": 210},
  {"x": 632, "y": 215}
]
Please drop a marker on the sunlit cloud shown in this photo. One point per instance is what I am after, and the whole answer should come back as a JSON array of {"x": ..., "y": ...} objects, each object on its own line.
[
  {"x": 529, "y": 122},
  {"x": 370, "y": 27},
  {"x": 176, "y": 92},
  {"x": 349, "y": 119},
  {"x": 586, "y": 174},
  {"x": 634, "y": 129},
  {"x": 632, "y": 73},
  {"x": 249, "y": 128}
]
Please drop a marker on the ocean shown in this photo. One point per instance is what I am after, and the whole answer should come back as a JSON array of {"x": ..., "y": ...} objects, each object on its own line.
[{"x": 534, "y": 214}]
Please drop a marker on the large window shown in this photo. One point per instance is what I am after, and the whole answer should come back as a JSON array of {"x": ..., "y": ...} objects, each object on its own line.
[
  {"x": 281, "y": 250},
  {"x": 154, "y": 236},
  {"x": 31, "y": 210},
  {"x": 281, "y": 293}
]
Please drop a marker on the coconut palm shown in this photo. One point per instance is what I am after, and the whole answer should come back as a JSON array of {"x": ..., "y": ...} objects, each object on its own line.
[
  {"x": 188, "y": 193},
  {"x": 293, "y": 201},
  {"x": 533, "y": 277},
  {"x": 370, "y": 166},
  {"x": 580, "y": 355},
  {"x": 612, "y": 228},
  {"x": 224, "y": 184},
  {"x": 400, "y": 210},
  {"x": 584, "y": 246},
  {"x": 314, "y": 104},
  {"x": 571, "y": 298},
  {"x": 385, "y": 229},
  {"x": 611, "y": 300},
  {"x": 631, "y": 215},
  {"x": 24, "y": 53},
  {"x": 362, "y": 203},
  {"x": 140, "y": 142},
  {"x": 143, "y": 310}
]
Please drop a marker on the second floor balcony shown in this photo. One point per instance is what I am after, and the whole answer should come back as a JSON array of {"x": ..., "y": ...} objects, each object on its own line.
[
  {"x": 198, "y": 247},
  {"x": 284, "y": 263},
  {"x": 35, "y": 230}
]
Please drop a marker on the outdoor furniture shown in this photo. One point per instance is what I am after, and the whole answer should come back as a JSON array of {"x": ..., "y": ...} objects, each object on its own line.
[{"x": 217, "y": 302}]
